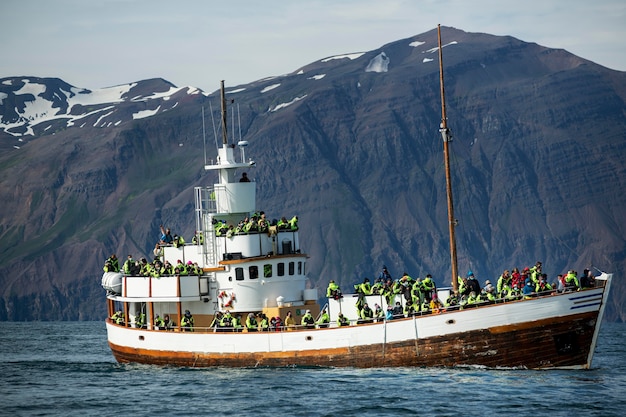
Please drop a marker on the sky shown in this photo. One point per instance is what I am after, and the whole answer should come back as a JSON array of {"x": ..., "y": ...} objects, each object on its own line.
[{"x": 101, "y": 43}]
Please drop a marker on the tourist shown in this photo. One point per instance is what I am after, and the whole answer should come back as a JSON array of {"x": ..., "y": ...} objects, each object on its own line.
[
  {"x": 290, "y": 322},
  {"x": 324, "y": 320},
  {"x": 187, "y": 322},
  {"x": 307, "y": 320}
]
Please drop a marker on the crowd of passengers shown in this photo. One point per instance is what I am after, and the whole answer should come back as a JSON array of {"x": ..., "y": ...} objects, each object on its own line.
[
  {"x": 257, "y": 223},
  {"x": 420, "y": 295},
  {"x": 157, "y": 268}
]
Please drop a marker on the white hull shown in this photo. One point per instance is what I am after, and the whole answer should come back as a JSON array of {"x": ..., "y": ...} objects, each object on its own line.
[{"x": 497, "y": 318}]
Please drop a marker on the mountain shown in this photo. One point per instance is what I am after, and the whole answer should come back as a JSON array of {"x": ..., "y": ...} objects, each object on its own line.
[{"x": 348, "y": 143}]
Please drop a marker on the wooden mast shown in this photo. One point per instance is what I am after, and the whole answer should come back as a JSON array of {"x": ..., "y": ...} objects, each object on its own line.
[{"x": 445, "y": 134}]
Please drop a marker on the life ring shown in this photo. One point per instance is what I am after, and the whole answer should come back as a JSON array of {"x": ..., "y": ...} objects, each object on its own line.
[{"x": 229, "y": 299}]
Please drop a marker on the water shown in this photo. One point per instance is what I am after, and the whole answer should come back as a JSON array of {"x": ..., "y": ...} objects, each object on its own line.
[{"x": 66, "y": 368}]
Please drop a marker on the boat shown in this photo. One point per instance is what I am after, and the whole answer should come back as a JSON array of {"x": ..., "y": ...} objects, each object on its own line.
[{"x": 225, "y": 305}]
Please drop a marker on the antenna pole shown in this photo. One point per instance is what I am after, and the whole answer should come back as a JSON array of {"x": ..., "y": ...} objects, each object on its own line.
[
  {"x": 224, "y": 119},
  {"x": 445, "y": 134}
]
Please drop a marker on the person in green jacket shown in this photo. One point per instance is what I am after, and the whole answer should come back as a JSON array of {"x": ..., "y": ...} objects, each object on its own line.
[
  {"x": 307, "y": 320},
  {"x": 342, "y": 320},
  {"x": 251, "y": 323},
  {"x": 571, "y": 281},
  {"x": 333, "y": 290},
  {"x": 187, "y": 322},
  {"x": 159, "y": 323},
  {"x": 324, "y": 320},
  {"x": 140, "y": 320}
]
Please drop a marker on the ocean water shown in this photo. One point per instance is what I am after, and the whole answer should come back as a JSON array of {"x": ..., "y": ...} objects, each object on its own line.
[{"x": 66, "y": 369}]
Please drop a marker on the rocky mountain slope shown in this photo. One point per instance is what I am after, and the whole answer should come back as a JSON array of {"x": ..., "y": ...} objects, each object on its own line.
[{"x": 349, "y": 143}]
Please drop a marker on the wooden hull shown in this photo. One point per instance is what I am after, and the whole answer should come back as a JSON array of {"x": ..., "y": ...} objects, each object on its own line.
[
  {"x": 557, "y": 331},
  {"x": 551, "y": 344}
]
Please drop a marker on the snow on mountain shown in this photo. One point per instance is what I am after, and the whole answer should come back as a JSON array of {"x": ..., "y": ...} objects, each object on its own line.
[{"x": 29, "y": 104}]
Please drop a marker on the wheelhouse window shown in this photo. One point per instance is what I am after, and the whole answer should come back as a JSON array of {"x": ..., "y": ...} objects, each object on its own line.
[
  {"x": 267, "y": 271},
  {"x": 292, "y": 268},
  {"x": 254, "y": 272},
  {"x": 281, "y": 269},
  {"x": 239, "y": 274},
  {"x": 300, "y": 268}
]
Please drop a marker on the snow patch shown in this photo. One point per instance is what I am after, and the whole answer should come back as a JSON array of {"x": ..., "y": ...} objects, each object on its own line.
[
  {"x": 316, "y": 77},
  {"x": 349, "y": 56},
  {"x": 145, "y": 113},
  {"x": 380, "y": 63},
  {"x": 283, "y": 105},
  {"x": 436, "y": 48},
  {"x": 415, "y": 44},
  {"x": 271, "y": 87}
]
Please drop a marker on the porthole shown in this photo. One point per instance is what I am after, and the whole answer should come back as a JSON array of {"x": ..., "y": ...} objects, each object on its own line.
[
  {"x": 451, "y": 321},
  {"x": 140, "y": 337},
  {"x": 309, "y": 338}
]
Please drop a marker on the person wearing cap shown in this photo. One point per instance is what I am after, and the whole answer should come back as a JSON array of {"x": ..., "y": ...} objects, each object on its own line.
[
  {"x": 324, "y": 320},
  {"x": 187, "y": 322},
  {"x": 342, "y": 320},
  {"x": 182, "y": 268},
  {"x": 528, "y": 289},
  {"x": 384, "y": 274},
  {"x": 159, "y": 323},
  {"x": 307, "y": 320},
  {"x": 472, "y": 284},
  {"x": 435, "y": 304}
]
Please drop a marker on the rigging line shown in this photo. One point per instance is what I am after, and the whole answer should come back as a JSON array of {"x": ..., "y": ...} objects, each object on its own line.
[
  {"x": 232, "y": 122},
  {"x": 465, "y": 191},
  {"x": 204, "y": 136},
  {"x": 239, "y": 121},
  {"x": 217, "y": 147}
]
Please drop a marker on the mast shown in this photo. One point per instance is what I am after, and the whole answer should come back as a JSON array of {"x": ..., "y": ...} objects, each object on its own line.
[{"x": 447, "y": 138}]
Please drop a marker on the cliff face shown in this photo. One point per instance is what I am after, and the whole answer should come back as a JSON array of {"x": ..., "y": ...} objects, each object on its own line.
[{"x": 351, "y": 145}]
